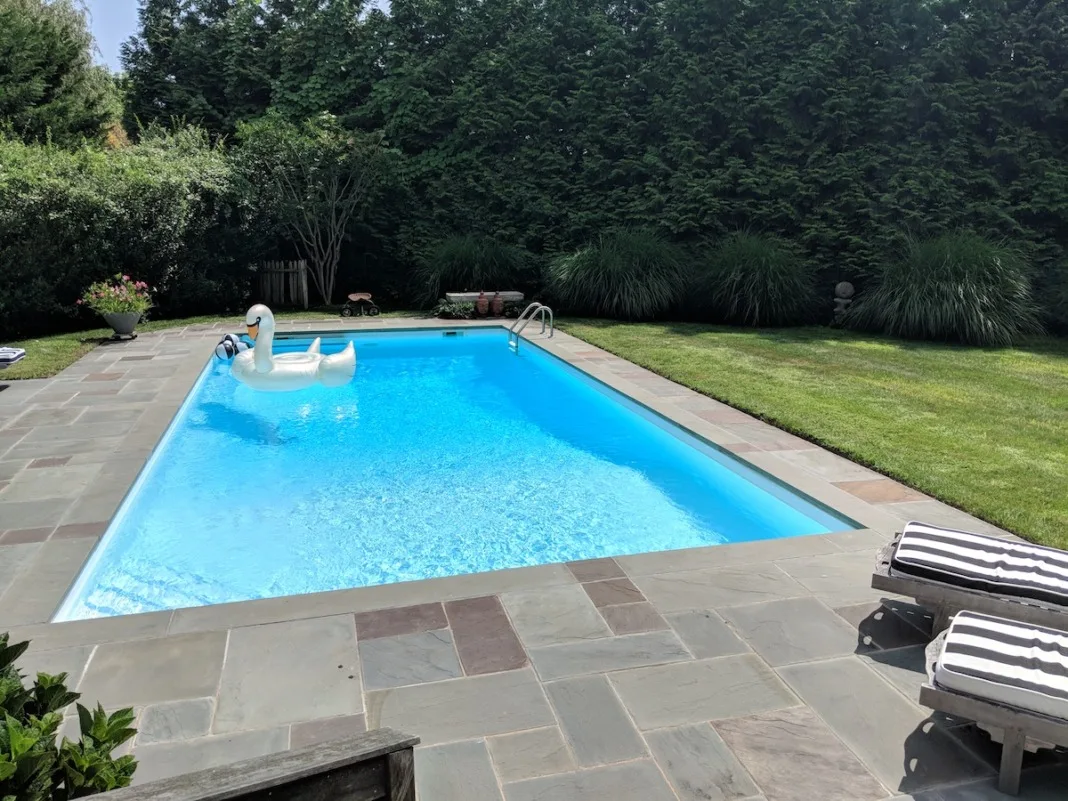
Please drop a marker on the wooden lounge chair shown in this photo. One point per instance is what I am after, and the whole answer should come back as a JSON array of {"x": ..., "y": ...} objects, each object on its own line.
[
  {"x": 947, "y": 571},
  {"x": 1009, "y": 677}
]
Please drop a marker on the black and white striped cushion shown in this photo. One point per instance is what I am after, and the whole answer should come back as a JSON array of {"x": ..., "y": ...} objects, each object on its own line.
[
  {"x": 979, "y": 562},
  {"x": 1006, "y": 662}
]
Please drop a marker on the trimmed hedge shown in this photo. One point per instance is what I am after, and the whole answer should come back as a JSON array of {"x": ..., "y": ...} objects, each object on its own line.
[{"x": 163, "y": 211}]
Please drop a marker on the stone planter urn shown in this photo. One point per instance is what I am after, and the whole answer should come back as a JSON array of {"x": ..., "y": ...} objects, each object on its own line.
[{"x": 123, "y": 323}]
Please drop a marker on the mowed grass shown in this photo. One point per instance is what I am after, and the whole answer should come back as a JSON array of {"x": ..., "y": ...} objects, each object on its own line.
[
  {"x": 985, "y": 430},
  {"x": 46, "y": 356}
]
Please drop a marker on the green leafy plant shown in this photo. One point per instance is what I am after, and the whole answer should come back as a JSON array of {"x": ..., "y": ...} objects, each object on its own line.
[
  {"x": 33, "y": 766},
  {"x": 959, "y": 287},
  {"x": 631, "y": 274},
  {"x": 753, "y": 279},
  {"x": 469, "y": 263},
  {"x": 447, "y": 310},
  {"x": 120, "y": 295}
]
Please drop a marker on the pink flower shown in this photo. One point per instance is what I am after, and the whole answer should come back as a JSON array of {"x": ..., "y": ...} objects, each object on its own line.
[
  {"x": 79, "y": 301},
  {"x": 126, "y": 278}
]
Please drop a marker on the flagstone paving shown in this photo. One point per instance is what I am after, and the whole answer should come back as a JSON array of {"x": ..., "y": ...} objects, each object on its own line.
[{"x": 761, "y": 671}]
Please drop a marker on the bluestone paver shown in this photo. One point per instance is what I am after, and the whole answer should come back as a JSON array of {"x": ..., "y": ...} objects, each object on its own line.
[
  {"x": 42, "y": 582},
  {"x": 607, "y": 653},
  {"x": 699, "y": 765},
  {"x": 554, "y": 616},
  {"x": 458, "y": 709},
  {"x": 630, "y": 781},
  {"x": 12, "y": 559},
  {"x": 837, "y": 579},
  {"x": 688, "y": 559},
  {"x": 613, "y": 591},
  {"x": 596, "y": 569},
  {"x": 891, "y": 735},
  {"x": 794, "y": 630},
  {"x": 633, "y": 618},
  {"x": 164, "y": 760},
  {"x": 717, "y": 588},
  {"x": 880, "y": 626},
  {"x": 149, "y": 671},
  {"x": 71, "y": 661},
  {"x": 706, "y": 635},
  {"x": 828, "y": 465},
  {"x": 905, "y": 668},
  {"x": 794, "y": 757},
  {"x": 175, "y": 720},
  {"x": 287, "y": 672},
  {"x": 401, "y": 620},
  {"x": 528, "y": 754},
  {"x": 485, "y": 639},
  {"x": 691, "y": 692},
  {"x": 594, "y": 722},
  {"x": 456, "y": 772},
  {"x": 409, "y": 659},
  {"x": 312, "y": 732}
]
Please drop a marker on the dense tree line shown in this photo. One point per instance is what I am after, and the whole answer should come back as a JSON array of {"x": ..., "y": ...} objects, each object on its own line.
[
  {"x": 843, "y": 128},
  {"x": 844, "y": 125}
]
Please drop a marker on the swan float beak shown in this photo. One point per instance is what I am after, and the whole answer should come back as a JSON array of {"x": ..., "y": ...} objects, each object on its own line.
[{"x": 253, "y": 330}]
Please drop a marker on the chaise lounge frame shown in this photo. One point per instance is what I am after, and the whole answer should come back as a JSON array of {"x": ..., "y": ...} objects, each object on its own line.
[
  {"x": 1017, "y": 724},
  {"x": 945, "y": 600}
]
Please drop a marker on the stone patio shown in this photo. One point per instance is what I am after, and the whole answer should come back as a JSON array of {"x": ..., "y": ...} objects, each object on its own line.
[{"x": 764, "y": 670}]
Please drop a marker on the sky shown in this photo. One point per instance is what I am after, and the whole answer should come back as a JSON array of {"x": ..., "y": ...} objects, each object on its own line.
[{"x": 113, "y": 22}]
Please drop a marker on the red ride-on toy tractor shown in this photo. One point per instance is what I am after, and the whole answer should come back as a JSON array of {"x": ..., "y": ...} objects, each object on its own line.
[{"x": 359, "y": 304}]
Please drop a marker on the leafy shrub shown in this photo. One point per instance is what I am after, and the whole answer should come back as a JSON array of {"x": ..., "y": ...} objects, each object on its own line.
[
  {"x": 959, "y": 287},
  {"x": 447, "y": 310},
  {"x": 33, "y": 766},
  {"x": 469, "y": 263},
  {"x": 165, "y": 210},
  {"x": 631, "y": 274},
  {"x": 754, "y": 279}
]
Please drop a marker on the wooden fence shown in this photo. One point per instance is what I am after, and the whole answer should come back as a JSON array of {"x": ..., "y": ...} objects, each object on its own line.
[{"x": 283, "y": 283}]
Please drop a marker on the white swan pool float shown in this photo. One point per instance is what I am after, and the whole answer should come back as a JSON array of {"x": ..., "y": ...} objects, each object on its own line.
[{"x": 260, "y": 369}]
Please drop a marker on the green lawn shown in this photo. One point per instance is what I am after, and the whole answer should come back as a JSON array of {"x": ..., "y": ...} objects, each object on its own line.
[
  {"x": 984, "y": 430},
  {"x": 46, "y": 356}
]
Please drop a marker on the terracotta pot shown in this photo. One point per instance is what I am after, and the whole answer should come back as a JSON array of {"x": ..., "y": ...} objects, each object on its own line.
[
  {"x": 123, "y": 323},
  {"x": 497, "y": 304},
  {"x": 482, "y": 304}
]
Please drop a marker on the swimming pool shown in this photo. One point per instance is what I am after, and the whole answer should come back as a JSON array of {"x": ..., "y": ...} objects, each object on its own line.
[{"x": 446, "y": 454}]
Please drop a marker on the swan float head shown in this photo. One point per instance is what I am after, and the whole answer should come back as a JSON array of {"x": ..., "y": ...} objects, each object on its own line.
[
  {"x": 260, "y": 369},
  {"x": 259, "y": 316}
]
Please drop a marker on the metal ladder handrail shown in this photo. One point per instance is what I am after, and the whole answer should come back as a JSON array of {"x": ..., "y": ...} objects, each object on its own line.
[{"x": 529, "y": 313}]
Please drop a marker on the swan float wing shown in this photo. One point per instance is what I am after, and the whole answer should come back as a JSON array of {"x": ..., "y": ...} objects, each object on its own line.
[{"x": 338, "y": 369}]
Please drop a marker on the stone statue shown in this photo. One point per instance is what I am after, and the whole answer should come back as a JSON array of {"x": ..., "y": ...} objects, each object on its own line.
[{"x": 843, "y": 297}]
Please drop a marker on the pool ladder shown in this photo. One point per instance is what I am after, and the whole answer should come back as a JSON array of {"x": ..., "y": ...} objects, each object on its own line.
[{"x": 535, "y": 309}]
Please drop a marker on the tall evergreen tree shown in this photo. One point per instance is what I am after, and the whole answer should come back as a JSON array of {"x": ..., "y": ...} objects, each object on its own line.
[{"x": 49, "y": 86}]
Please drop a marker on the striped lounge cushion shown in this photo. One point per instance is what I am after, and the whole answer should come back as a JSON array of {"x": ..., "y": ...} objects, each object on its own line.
[
  {"x": 1006, "y": 662},
  {"x": 978, "y": 562}
]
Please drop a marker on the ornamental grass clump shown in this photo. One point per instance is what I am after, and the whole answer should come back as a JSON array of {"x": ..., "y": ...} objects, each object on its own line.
[
  {"x": 120, "y": 295},
  {"x": 960, "y": 287},
  {"x": 469, "y": 263},
  {"x": 755, "y": 280},
  {"x": 630, "y": 274}
]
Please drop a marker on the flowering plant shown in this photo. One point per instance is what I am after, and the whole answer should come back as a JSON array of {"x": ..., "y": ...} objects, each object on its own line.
[{"x": 118, "y": 296}]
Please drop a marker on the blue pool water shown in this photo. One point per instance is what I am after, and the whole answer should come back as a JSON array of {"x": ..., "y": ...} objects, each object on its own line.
[{"x": 444, "y": 455}]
